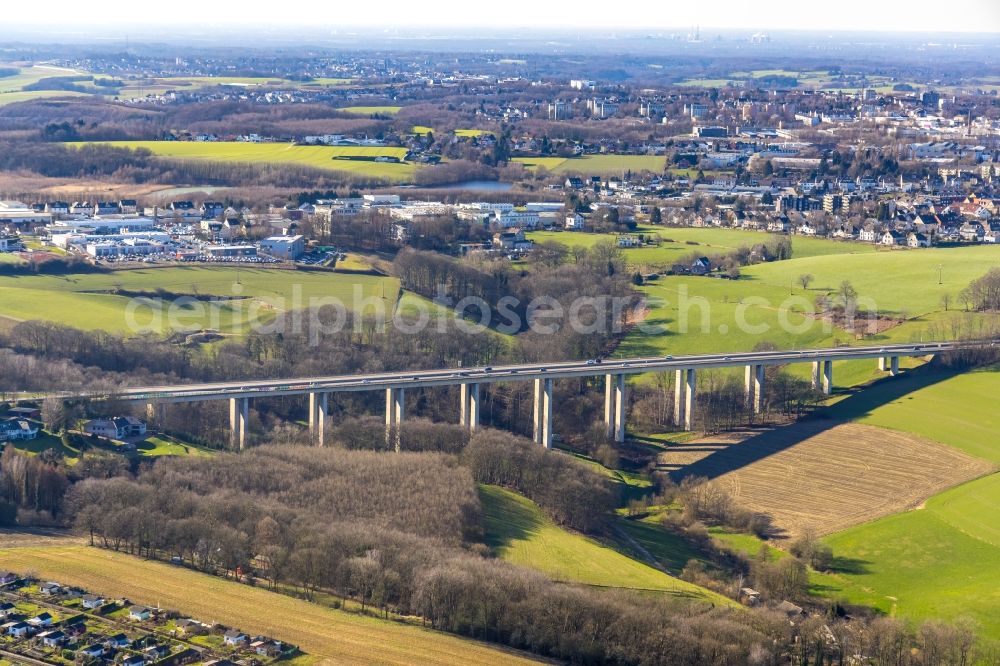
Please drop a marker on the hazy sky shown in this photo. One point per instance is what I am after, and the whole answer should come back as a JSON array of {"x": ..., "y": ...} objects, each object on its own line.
[{"x": 880, "y": 15}]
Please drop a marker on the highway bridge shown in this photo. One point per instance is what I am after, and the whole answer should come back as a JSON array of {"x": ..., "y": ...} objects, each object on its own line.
[{"x": 395, "y": 384}]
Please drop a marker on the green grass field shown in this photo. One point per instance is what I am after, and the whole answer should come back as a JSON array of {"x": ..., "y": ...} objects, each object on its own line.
[
  {"x": 153, "y": 446},
  {"x": 679, "y": 242},
  {"x": 690, "y": 314},
  {"x": 321, "y": 157},
  {"x": 82, "y": 300},
  {"x": 159, "y": 85},
  {"x": 12, "y": 87},
  {"x": 895, "y": 280},
  {"x": 766, "y": 303},
  {"x": 670, "y": 551},
  {"x": 809, "y": 79},
  {"x": 521, "y": 534},
  {"x": 324, "y": 634},
  {"x": 597, "y": 164},
  {"x": 943, "y": 559},
  {"x": 371, "y": 110}
]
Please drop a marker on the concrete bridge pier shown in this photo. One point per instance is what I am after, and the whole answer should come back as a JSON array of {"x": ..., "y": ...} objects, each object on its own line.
[
  {"x": 239, "y": 416},
  {"x": 889, "y": 364},
  {"x": 758, "y": 388},
  {"x": 827, "y": 377},
  {"x": 620, "y": 409},
  {"x": 395, "y": 410},
  {"x": 543, "y": 412},
  {"x": 155, "y": 413},
  {"x": 469, "y": 412},
  {"x": 748, "y": 372},
  {"x": 753, "y": 390},
  {"x": 318, "y": 409},
  {"x": 689, "y": 389},
  {"x": 609, "y": 406},
  {"x": 614, "y": 406},
  {"x": 678, "y": 397}
]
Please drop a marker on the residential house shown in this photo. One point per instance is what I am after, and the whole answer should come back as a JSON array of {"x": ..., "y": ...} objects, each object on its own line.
[
  {"x": 106, "y": 208},
  {"x": 91, "y": 601},
  {"x": 266, "y": 648},
  {"x": 700, "y": 266},
  {"x": 132, "y": 426},
  {"x": 95, "y": 650},
  {"x": 139, "y": 613},
  {"x": 18, "y": 629},
  {"x": 134, "y": 660},
  {"x": 102, "y": 428},
  {"x": 15, "y": 429},
  {"x": 115, "y": 428},
  {"x": 189, "y": 627},
  {"x": 118, "y": 641},
  {"x": 235, "y": 637},
  {"x": 128, "y": 206},
  {"x": 43, "y": 619},
  {"x": 576, "y": 222},
  {"x": 52, "y": 639},
  {"x": 156, "y": 652},
  {"x": 972, "y": 232},
  {"x": 512, "y": 240},
  {"x": 628, "y": 240},
  {"x": 50, "y": 588},
  {"x": 869, "y": 233},
  {"x": 6, "y": 609},
  {"x": 779, "y": 225},
  {"x": 75, "y": 626},
  {"x": 892, "y": 238},
  {"x": 574, "y": 182},
  {"x": 6, "y": 578},
  {"x": 914, "y": 239},
  {"x": 212, "y": 209},
  {"x": 23, "y": 413}
]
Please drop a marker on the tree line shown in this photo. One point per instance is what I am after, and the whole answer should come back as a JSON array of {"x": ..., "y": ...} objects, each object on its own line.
[{"x": 401, "y": 534}]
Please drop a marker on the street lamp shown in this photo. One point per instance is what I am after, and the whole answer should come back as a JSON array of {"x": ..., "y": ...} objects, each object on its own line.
[{"x": 940, "y": 273}]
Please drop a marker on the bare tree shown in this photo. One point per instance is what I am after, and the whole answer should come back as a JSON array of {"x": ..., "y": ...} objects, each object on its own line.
[{"x": 56, "y": 415}]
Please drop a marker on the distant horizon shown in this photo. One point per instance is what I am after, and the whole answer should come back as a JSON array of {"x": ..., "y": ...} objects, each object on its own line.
[
  {"x": 962, "y": 17},
  {"x": 472, "y": 29}
]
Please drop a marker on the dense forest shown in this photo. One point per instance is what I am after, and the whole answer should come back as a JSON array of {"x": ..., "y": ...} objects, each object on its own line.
[{"x": 401, "y": 533}]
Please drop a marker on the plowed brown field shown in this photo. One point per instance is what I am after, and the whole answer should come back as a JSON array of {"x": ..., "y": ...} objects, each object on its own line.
[{"x": 824, "y": 475}]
